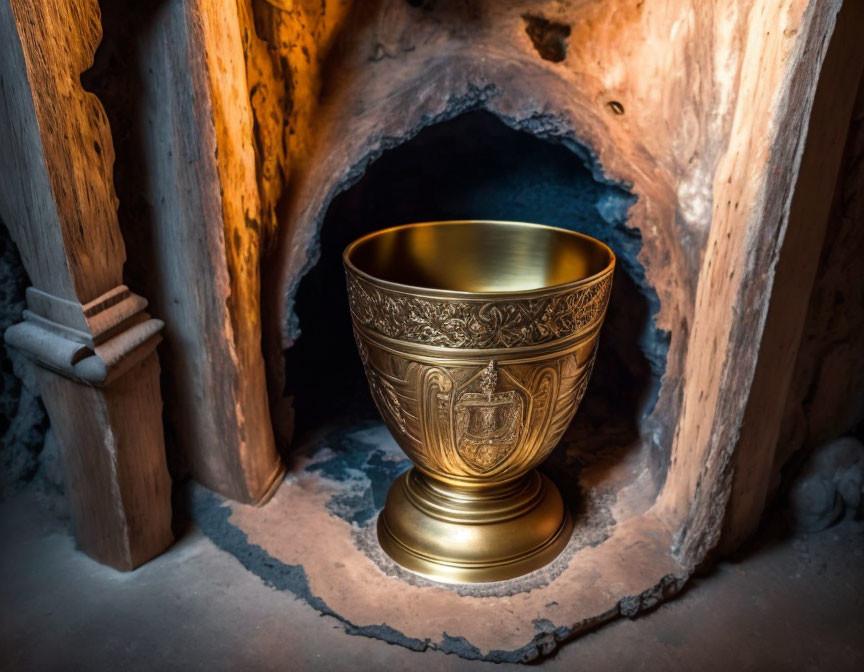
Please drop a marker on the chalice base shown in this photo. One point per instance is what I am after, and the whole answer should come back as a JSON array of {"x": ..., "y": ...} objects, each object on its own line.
[{"x": 457, "y": 534}]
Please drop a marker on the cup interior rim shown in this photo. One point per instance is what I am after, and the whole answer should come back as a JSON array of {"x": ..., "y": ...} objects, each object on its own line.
[{"x": 419, "y": 289}]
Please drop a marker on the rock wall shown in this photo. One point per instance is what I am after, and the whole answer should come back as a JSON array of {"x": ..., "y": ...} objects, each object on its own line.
[{"x": 28, "y": 452}]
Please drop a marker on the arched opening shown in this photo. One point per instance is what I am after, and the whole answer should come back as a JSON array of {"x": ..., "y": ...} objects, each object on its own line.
[{"x": 477, "y": 167}]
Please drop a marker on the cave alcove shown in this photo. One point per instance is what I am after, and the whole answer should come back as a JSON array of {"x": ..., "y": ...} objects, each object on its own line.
[{"x": 474, "y": 166}]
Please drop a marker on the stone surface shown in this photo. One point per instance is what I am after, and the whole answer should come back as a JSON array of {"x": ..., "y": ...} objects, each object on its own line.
[
  {"x": 197, "y": 608},
  {"x": 829, "y": 486},
  {"x": 23, "y": 421}
]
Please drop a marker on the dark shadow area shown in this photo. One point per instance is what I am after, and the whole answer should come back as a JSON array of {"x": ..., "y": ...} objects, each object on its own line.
[
  {"x": 476, "y": 167},
  {"x": 117, "y": 78},
  {"x": 548, "y": 37},
  {"x": 23, "y": 420}
]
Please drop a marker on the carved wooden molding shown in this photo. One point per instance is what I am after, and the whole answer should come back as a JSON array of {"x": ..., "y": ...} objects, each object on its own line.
[{"x": 122, "y": 335}]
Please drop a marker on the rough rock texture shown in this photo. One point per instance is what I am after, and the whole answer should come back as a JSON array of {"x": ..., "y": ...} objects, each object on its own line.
[
  {"x": 829, "y": 487},
  {"x": 23, "y": 422}
]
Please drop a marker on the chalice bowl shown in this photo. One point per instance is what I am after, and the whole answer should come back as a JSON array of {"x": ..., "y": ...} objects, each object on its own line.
[{"x": 477, "y": 339}]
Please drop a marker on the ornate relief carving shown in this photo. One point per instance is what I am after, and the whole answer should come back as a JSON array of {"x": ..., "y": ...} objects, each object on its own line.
[
  {"x": 476, "y": 421},
  {"x": 487, "y": 423},
  {"x": 458, "y": 418},
  {"x": 383, "y": 392},
  {"x": 385, "y": 395},
  {"x": 477, "y": 324}
]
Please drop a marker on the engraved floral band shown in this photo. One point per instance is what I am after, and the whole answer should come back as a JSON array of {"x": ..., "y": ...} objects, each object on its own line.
[{"x": 471, "y": 323}]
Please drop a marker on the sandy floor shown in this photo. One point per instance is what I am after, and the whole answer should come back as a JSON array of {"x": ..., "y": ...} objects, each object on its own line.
[{"x": 786, "y": 604}]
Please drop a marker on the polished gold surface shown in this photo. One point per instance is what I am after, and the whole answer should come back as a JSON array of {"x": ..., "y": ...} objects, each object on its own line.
[{"x": 477, "y": 339}]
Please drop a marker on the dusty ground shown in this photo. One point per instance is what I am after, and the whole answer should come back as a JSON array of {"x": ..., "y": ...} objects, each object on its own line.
[{"x": 787, "y": 604}]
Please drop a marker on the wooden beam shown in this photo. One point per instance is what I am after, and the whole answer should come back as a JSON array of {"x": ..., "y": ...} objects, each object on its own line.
[
  {"x": 752, "y": 194},
  {"x": 92, "y": 342},
  {"x": 794, "y": 275},
  {"x": 188, "y": 159}
]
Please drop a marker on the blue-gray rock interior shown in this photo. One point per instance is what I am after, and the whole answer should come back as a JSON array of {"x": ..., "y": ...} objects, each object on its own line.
[
  {"x": 28, "y": 449},
  {"x": 829, "y": 487}
]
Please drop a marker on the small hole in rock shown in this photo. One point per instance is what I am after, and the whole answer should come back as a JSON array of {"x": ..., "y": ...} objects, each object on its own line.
[
  {"x": 548, "y": 37},
  {"x": 616, "y": 107}
]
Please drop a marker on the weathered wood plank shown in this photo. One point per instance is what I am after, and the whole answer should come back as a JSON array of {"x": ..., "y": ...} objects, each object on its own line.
[
  {"x": 190, "y": 173},
  {"x": 68, "y": 126},
  {"x": 117, "y": 484},
  {"x": 753, "y": 190},
  {"x": 93, "y": 345},
  {"x": 794, "y": 274}
]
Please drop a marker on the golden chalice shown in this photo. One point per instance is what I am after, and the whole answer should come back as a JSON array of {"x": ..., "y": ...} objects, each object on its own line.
[{"x": 477, "y": 339}]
